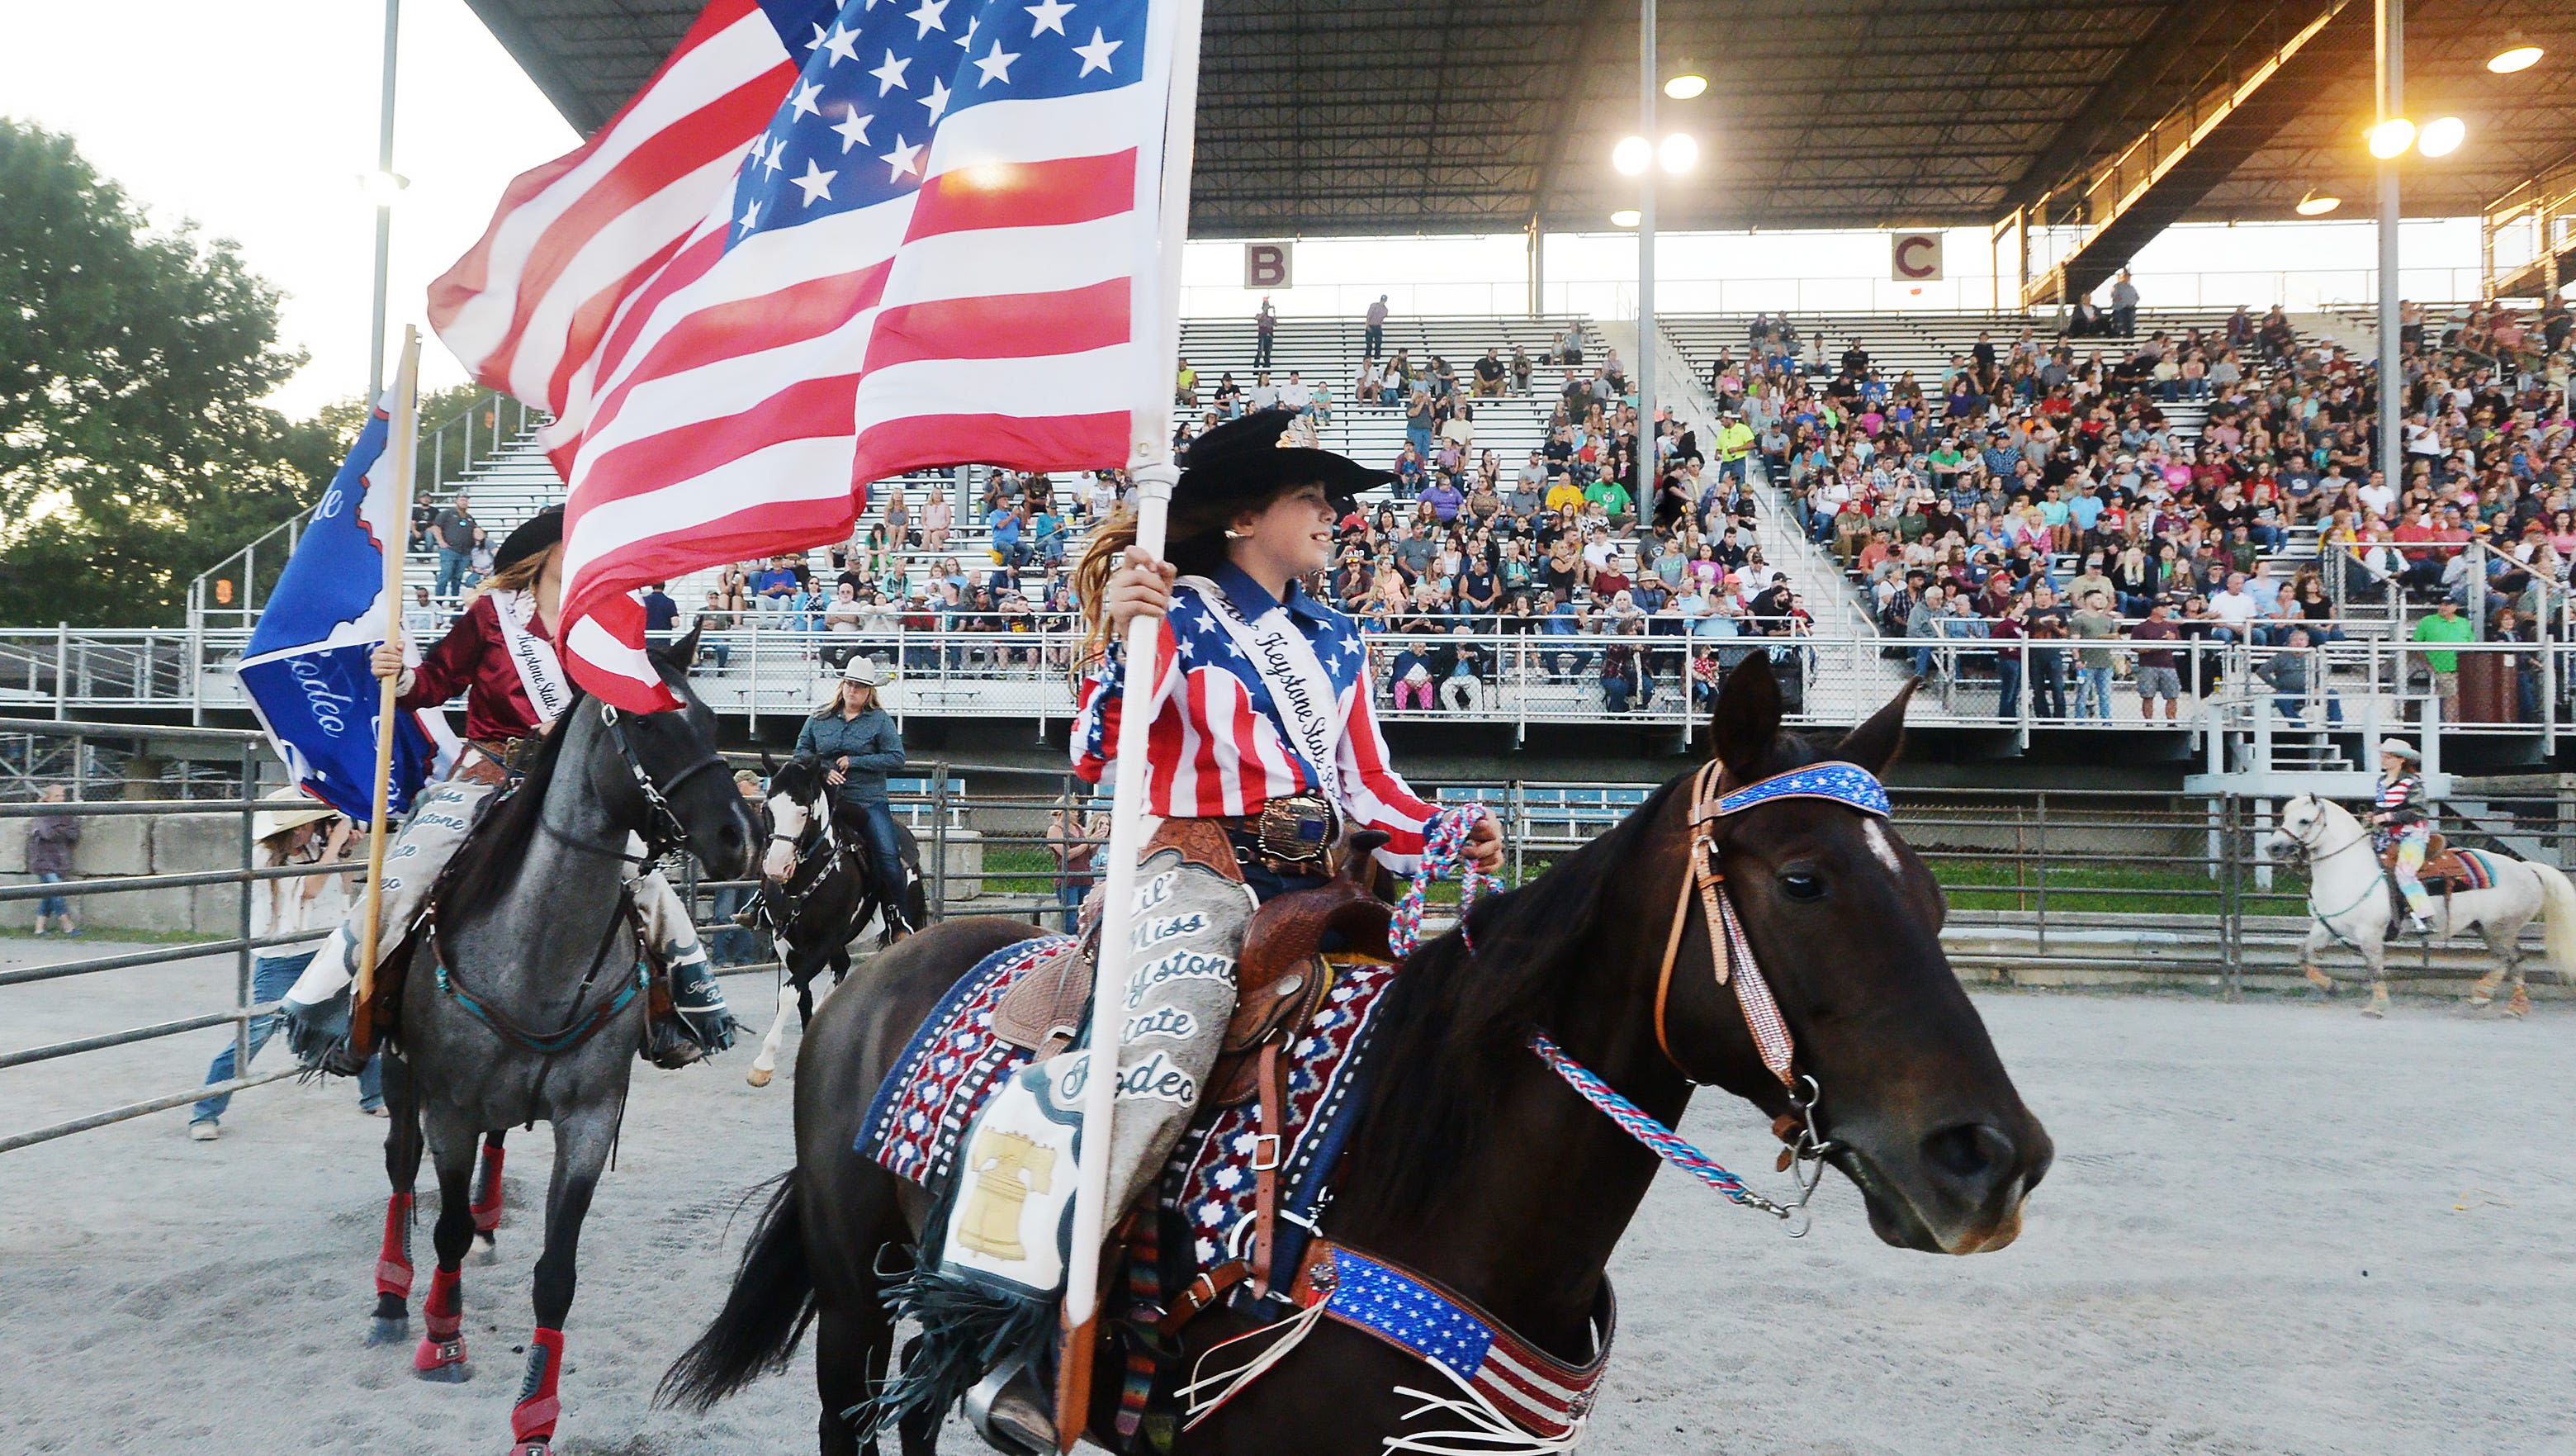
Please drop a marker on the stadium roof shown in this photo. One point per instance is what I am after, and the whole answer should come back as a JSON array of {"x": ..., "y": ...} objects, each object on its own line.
[{"x": 1339, "y": 118}]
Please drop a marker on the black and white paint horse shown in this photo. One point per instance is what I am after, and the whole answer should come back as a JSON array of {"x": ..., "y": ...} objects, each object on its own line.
[{"x": 818, "y": 892}]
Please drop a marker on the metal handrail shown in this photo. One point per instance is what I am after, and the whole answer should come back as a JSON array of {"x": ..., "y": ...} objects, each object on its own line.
[{"x": 434, "y": 439}]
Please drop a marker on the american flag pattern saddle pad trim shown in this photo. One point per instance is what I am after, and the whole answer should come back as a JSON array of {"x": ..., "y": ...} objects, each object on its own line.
[{"x": 1415, "y": 1313}]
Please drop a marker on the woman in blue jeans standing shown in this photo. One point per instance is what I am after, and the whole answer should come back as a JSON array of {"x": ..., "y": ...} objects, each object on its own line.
[
  {"x": 860, "y": 744},
  {"x": 301, "y": 830},
  {"x": 51, "y": 841}
]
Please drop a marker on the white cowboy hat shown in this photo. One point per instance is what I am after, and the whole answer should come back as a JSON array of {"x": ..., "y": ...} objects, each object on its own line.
[
  {"x": 296, "y": 809},
  {"x": 2399, "y": 748},
  {"x": 865, "y": 671}
]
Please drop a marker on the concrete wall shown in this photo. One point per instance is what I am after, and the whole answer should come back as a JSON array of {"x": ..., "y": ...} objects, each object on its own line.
[
  {"x": 197, "y": 843},
  {"x": 169, "y": 844}
]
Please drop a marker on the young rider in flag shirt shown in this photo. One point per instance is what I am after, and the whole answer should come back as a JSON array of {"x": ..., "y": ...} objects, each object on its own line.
[
  {"x": 1262, "y": 754},
  {"x": 2398, "y": 817},
  {"x": 500, "y": 654}
]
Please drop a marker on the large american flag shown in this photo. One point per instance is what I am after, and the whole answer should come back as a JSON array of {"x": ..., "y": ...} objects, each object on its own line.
[{"x": 823, "y": 246}]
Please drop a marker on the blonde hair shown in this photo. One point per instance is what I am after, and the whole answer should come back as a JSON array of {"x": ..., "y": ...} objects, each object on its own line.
[
  {"x": 1194, "y": 541},
  {"x": 519, "y": 575},
  {"x": 832, "y": 704}
]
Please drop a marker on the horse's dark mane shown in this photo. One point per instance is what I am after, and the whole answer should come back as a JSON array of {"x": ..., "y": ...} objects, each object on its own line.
[
  {"x": 800, "y": 778},
  {"x": 499, "y": 846},
  {"x": 496, "y": 849},
  {"x": 1454, "y": 1019}
]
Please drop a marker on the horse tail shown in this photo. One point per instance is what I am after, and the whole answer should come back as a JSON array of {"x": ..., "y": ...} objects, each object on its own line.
[
  {"x": 764, "y": 1316},
  {"x": 2558, "y": 917}
]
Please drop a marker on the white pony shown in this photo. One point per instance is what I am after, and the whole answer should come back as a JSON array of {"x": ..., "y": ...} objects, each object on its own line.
[{"x": 2349, "y": 903}]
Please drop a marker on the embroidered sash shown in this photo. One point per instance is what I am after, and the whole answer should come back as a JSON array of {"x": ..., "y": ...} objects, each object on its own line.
[
  {"x": 541, "y": 674},
  {"x": 1300, "y": 698}
]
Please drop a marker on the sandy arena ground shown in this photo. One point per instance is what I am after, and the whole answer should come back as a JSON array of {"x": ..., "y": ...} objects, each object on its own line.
[{"x": 2272, "y": 1228}]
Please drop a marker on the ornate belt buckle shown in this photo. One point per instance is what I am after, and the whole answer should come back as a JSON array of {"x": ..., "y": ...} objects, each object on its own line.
[{"x": 1299, "y": 829}]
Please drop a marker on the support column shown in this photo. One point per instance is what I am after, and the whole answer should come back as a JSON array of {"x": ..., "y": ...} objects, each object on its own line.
[
  {"x": 2392, "y": 374},
  {"x": 1537, "y": 267},
  {"x": 384, "y": 203},
  {"x": 1645, "y": 362}
]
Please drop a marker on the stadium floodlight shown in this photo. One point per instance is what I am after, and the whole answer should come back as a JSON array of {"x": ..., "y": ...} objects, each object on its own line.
[
  {"x": 2514, "y": 58},
  {"x": 2318, "y": 204},
  {"x": 1632, "y": 156},
  {"x": 383, "y": 187},
  {"x": 1626, "y": 217},
  {"x": 2441, "y": 136},
  {"x": 1679, "y": 153},
  {"x": 2390, "y": 139},
  {"x": 1686, "y": 84}
]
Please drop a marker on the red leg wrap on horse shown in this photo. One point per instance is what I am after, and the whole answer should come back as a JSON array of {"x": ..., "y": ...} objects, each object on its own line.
[
  {"x": 444, "y": 1315},
  {"x": 533, "y": 1419},
  {"x": 487, "y": 1191},
  {"x": 393, "y": 1260}
]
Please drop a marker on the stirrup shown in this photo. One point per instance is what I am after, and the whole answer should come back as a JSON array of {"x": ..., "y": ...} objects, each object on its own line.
[
  {"x": 670, "y": 1047},
  {"x": 1010, "y": 1411}
]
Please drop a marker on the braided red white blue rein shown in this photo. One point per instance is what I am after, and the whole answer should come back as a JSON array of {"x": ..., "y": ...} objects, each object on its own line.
[
  {"x": 1444, "y": 857},
  {"x": 1671, "y": 1146}
]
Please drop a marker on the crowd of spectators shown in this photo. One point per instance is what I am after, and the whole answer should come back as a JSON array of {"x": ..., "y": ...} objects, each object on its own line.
[{"x": 2037, "y": 491}]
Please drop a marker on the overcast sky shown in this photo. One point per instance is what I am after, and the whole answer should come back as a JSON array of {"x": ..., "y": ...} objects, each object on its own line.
[{"x": 256, "y": 117}]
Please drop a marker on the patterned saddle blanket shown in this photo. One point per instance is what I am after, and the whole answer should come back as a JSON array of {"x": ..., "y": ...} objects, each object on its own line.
[
  {"x": 954, "y": 1063},
  {"x": 2455, "y": 872}
]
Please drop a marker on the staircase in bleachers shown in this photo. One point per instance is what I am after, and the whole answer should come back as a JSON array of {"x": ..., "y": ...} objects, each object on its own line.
[{"x": 1328, "y": 352}]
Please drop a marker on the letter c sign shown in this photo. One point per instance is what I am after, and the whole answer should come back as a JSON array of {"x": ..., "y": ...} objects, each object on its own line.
[
  {"x": 1268, "y": 265},
  {"x": 1914, "y": 257}
]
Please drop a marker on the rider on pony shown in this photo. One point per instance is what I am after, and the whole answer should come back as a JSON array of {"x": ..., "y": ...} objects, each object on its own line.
[
  {"x": 501, "y": 654},
  {"x": 1264, "y": 752},
  {"x": 2398, "y": 817}
]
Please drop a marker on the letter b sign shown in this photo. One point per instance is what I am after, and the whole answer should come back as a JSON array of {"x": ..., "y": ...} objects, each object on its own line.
[{"x": 1268, "y": 265}]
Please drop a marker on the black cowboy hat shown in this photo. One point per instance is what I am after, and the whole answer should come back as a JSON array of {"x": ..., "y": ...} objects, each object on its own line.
[
  {"x": 1242, "y": 459},
  {"x": 535, "y": 534}
]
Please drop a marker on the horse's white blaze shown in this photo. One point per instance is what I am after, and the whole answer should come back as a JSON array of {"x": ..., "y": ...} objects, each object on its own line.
[
  {"x": 787, "y": 819},
  {"x": 1883, "y": 846}
]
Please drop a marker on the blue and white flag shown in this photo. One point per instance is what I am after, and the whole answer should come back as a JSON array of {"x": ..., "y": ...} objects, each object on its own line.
[{"x": 305, "y": 668}]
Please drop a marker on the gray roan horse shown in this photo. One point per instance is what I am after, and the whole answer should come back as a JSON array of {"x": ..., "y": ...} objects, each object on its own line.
[
  {"x": 1476, "y": 1165},
  {"x": 524, "y": 1001}
]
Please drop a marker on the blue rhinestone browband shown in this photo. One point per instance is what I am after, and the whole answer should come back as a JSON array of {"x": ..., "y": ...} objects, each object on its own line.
[{"x": 1844, "y": 783}]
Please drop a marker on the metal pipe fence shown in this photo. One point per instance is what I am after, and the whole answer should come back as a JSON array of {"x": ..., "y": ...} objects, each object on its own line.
[
  {"x": 2085, "y": 885},
  {"x": 2066, "y": 885},
  {"x": 1535, "y": 677},
  {"x": 248, "y": 750}
]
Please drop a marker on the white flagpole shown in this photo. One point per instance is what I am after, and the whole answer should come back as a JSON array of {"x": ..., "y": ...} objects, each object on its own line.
[
  {"x": 402, "y": 450},
  {"x": 1155, "y": 475}
]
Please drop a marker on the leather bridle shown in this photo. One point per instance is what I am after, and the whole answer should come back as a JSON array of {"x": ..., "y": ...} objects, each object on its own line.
[
  {"x": 792, "y": 903},
  {"x": 663, "y": 830},
  {"x": 2317, "y": 829},
  {"x": 1731, "y": 960}
]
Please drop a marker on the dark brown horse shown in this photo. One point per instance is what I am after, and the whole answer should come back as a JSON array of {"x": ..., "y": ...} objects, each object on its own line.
[{"x": 1474, "y": 1164}]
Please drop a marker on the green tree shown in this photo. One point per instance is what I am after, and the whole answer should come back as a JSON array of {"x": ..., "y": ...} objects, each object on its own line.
[{"x": 134, "y": 450}]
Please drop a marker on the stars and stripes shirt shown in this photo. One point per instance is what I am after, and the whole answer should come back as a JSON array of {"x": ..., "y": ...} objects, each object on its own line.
[
  {"x": 2399, "y": 806},
  {"x": 1222, "y": 742}
]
